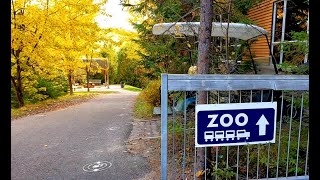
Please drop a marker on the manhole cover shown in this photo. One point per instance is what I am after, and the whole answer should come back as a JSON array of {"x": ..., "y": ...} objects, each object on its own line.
[{"x": 97, "y": 166}]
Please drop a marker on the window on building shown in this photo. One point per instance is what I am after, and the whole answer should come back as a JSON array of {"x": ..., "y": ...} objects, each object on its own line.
[{"x": 290, "y": 23}]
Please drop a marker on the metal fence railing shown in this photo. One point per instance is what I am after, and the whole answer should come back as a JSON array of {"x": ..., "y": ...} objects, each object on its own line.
[{"x": 287, "y": 158}]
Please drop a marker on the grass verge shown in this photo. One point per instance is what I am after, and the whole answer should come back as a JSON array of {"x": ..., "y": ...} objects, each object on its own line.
[
  {"x": 53, "y": 104},
  {"x": 142, "y": 109},
  {"x": 132, "y": 88},
  {"x": 147, "y": 99}
]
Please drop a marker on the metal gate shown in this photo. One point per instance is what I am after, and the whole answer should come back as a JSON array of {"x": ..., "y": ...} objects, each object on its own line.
[{"x": 287, "y": 158}]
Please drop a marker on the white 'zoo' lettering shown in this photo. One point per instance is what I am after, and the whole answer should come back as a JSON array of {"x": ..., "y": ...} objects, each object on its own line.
[{"x": 213, "y": 117}]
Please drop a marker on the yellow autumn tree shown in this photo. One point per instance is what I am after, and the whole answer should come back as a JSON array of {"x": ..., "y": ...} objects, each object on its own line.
[
  {"x": 29, "y": 32},
  {"x": 129, "y": 59},
  {"x": 78, "y": 35},
  {"x": 48, "y": 37}
]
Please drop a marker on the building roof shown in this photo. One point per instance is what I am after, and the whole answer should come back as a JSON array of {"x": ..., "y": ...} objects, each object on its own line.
[{"x": 103, "y": 62}]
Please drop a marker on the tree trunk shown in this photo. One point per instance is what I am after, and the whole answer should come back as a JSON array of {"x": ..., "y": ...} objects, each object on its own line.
[
  {"x": 17, "y": 84},
  {"x": 88, "y": 73},
  {"x": 228, "y": 39},
  {"x": 18, "y": 89},
  {"x": 206, "y": 17},
  {"x": 105, "y": 77},
  {"x": 108, "y": 78},
  {"x": 70, "y": 82}
]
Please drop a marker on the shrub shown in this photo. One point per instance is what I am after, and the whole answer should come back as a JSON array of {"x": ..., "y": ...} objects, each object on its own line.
[
  {"x": 151, "y": 93},
  {"x": 14, "y": 101},
  {"x": 51, "y": 89},
  {"x": 147, "y": 100}
]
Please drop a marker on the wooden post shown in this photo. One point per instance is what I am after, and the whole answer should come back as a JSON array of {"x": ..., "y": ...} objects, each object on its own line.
[
  {"x": 108, "y": 77},
  {"x": 105, "y": 77}
]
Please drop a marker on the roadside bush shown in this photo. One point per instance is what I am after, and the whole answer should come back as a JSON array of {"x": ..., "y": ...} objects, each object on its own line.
[
  {"x": 147, "y": 100},
  {"x": 51, "y": 89},
  {"x": 151, "y": 93},
  {"x": 14, "y": 102}
]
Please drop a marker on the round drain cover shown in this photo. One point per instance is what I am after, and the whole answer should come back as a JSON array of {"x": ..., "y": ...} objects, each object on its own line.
[{"x": 97, "y": 166}]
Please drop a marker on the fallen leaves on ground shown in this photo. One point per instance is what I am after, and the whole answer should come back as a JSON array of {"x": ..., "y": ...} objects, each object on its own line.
[{"x": 33, "y": 109}]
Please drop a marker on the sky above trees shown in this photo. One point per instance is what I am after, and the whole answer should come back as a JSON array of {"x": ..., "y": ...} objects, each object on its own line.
[{"x": 119, "y": 16}]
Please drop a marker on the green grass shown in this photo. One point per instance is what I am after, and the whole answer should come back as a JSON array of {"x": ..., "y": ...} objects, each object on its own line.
[
  {"x": 142, "y": 109},
  {"x": 147, "y": 99},
  {"x": 132, "y": 88},
  {"x": 43, "y": 105}
]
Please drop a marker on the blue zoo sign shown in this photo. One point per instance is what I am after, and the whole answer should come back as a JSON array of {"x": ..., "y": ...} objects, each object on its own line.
[{"x": 235, "y": 124}]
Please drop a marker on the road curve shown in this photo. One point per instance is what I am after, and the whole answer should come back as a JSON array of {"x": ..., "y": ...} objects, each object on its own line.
[{"x": 85, "y": 141}]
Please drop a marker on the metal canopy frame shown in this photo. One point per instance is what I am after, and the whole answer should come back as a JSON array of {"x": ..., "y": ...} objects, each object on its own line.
[{"x": 219, "y": 29}]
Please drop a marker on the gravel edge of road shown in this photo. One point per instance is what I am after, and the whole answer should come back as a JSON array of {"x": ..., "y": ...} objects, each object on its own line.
[{"x": 144, "y": 141}]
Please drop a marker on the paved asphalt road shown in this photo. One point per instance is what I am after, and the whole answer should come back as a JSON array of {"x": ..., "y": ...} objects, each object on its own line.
[{"x": 86, "y": 141}]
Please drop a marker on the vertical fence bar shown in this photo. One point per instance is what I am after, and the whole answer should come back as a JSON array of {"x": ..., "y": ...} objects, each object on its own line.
[
  {"x": 205, "y": 149},
  {"x": 217, "y": 156},
  {"x": 237, "y": 175},
  {"x": 217, "y": 149},
  {"x": 184, "y": 134},
  {"x": 164, "y": 127},
  {"x": 269, "y": 144},
  {"x": 279, "y": 138},
  {"x": 205, "y": 163},
  {"x": 258, "y": 159},
  {"x": 238, "y": 147},
  {"x": 289, "y": 135},
  {"x": 301, "y": 110},
  {"x": 173, "y": 144},
  {"x": 307, "y": 155},
  {"x": 194, "y": 163},
  {"x": 195, "y": 150},
  {"x": 227, "y": 165},
  {"x": 189, "y": 146},
  {"x": 248, "y": 162},
  {"x": 248, "y": 145}
]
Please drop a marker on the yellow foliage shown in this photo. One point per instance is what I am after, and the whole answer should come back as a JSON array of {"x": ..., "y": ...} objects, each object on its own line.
[
  {"x": 151, "y": 93},
  {"x": 49, "y": 37},
  {"x": 200, "y": 173}
]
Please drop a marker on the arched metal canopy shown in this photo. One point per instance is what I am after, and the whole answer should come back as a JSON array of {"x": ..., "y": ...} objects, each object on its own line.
[{"x": 219, "y": 29}]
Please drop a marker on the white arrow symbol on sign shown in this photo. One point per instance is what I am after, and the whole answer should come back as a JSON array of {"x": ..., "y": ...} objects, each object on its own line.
[{"x": 262, "y": 123}]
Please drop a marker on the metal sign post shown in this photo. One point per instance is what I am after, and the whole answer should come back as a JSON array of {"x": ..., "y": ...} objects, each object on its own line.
[{"x": 235, "y": 124}]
